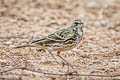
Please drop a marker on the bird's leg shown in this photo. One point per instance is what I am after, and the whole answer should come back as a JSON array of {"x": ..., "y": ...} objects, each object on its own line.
[
  {"x": 58, "y": 54},
  {"x": 72, "y": 66},
  {"x": 53, "y": 57}
]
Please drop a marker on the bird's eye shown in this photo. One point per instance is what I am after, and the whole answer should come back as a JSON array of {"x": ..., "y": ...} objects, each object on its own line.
[{"x": 76, "y": 24}]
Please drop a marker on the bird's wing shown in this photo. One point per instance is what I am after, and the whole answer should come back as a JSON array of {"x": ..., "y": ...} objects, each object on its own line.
[
  {"x": 46, "y": 42},
  {"x": 62, "y": 35},
  {"x": 55, "y": 38}
]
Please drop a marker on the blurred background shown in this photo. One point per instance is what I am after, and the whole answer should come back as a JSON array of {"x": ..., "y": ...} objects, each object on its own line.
[{"x": 25, "y": 20}]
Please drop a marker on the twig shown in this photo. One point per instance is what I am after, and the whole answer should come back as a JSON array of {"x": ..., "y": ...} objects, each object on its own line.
[
  {"x": 61, "y": 74},
  {"x": 7, "y": 70}
]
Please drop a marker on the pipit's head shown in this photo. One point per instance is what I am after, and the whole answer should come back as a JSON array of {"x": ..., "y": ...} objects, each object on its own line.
[{"x": 77, "y": 23}]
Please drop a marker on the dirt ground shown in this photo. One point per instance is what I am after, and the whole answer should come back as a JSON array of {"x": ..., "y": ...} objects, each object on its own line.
[{"x": 25, "y": 20}]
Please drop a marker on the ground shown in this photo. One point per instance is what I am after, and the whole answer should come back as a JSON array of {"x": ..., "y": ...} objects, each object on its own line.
[{"x": 25, "y": 20}]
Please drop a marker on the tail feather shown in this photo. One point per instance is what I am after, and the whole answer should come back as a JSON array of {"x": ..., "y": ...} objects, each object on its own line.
[{"x": 25, "y": 45}]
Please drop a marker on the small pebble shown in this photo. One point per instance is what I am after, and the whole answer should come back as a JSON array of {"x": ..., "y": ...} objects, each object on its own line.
[
  {"x": 91, "y": 4},
  {"x": 104, "y": 22}
]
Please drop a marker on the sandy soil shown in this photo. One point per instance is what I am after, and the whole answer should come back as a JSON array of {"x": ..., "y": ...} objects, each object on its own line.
[{"x": 25, "y": 20}]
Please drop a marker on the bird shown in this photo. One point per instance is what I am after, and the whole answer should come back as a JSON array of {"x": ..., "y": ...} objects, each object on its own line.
[{"x": 61, "y": 40}]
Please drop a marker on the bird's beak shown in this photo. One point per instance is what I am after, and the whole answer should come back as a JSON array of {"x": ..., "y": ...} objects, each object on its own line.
[{"x": 82, "y": 25}]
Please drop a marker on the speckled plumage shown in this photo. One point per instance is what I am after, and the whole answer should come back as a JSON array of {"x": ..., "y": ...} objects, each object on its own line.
[{"x": 61, "y": 40}]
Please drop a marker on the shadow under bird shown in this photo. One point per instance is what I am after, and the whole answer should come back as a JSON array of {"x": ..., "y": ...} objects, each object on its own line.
[{"x": 62, "y": 40}]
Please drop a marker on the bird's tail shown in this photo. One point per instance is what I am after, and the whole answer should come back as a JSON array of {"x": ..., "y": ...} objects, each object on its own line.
[{"x": 25, "y": 45}]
